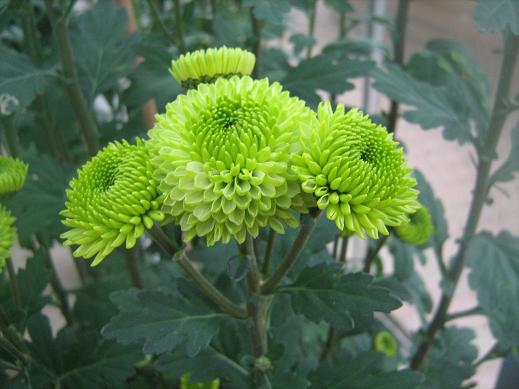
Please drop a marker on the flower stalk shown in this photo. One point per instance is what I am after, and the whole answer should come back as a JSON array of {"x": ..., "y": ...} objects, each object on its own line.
[
  {"x": 132, "y": 263},
  {"x": 307, "y": 227},
  {"x": 269, "y": 251},
  {"x": 495, "y": 128},
  {"x": 372, "y": 253}
]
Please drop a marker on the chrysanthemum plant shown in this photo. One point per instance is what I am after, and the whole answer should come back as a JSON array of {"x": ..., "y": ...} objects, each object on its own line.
[{"x": 258, "y": 234}]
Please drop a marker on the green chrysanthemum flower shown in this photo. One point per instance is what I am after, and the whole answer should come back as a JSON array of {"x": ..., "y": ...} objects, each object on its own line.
[
  {"x": 12, "y": 175},
  {"x": 386, "y": 343},
  {"x": 221, "y": 156},
  {"x": 419, "y": 228},
  {"x": 111, "y": 201},
  {"x": 205, "y": 66},
  {"x": 7, "y": 233},
  {"x": 356, "y": 172}
]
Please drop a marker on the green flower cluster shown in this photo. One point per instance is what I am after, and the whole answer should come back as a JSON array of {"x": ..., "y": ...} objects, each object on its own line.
[
  {"x": 234, "y": 155},
  {"x": 221, "y": 157},
  {"x": 357, "y": 172},
  {"x": 418, "y": 229},
  {"x": 12, "y": 175},
  {"x": 7, "y": 233},
  {"x": 111, "y": 201},
  {"x": 205, "y": 66}
]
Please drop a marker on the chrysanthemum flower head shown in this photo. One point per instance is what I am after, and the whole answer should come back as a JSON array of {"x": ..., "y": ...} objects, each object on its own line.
[
  {"x": 356, "y": 172},
  {"x": 7, "y": 233},
  {"x": 12, "y": 175},
  {"x": 221, "y": 155},
  {"x": 418, "y": 229},
  {"x": 205, "y": 66},
  {"x": 111, "y": 201},
  {"x": 386, "y": 343}
]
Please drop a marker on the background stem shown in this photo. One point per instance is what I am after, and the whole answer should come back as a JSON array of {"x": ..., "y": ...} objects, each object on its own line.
[
  {"x": 77, "y": 99},
  {"x": 497, "y": 120},
  {"x": 398, "y": 55},
  {"x": 180, "y": 26},
  {"x": 256, "y": 45},
  {"x": 269, "y": 251},
  {"x": 372, "y": 253},
  {"x": 132, "y": 263},
  {"x": 13, "y": 283},
  {"x": 311, "y": 26}
]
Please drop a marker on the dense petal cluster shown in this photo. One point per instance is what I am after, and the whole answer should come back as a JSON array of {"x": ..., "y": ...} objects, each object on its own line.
[
  {"x": 221, "y": 155},
  {"x": 356, "y": 172},
  {"x": 12, "y": 175},
  {"x": 7, "y": 233},
  {"x": 111, "y": 201},
  {"x": 419, "y": 228},
  {"x": 201, "y": 66}
]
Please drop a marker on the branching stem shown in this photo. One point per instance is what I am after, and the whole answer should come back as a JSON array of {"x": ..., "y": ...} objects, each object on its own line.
[{"x": 372, "y": 253}]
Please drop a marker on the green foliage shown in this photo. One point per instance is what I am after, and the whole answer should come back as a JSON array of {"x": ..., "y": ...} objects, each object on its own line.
[
  {"x": 163, "y": 320},
  {"x": 509, "y": 168},
  {"x": 495, "y": 16},
  {"x": 322, "y": 293},
  {"x": 494, "y": 264},
  {"x": 19, "y": 78},
  {"x": 449, "y": 363},
  {"x": 363, "y": 371}
]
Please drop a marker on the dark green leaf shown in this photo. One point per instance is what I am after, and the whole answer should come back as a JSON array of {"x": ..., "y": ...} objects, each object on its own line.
[
  {"x": 340, "y": 5},
  {"x": 103, "y": 51},
  {"x": 450, "y": 360},
  {"x": 435, "y": 106},
  {"x": 77, "y": 358},
  {"x": 38, "y": 204},
  {"x": 301, "y": 42},
  {"x": 322, "y": 293},
  {"x": 448, "y": 63},
  {"x": 162, "y": 320},
  {"x": 496, "y": 15},
  {"x": 207, "y": 365},
  {"x": 271, "y": 11},
  {"x": 494, "y": 264},
  {"x": 19, "y": 78},
  {"x": 323, "y": 72},
  {"x": 365, "y": 371},
  {"x": 510, "y": 167},
  {"x": 435, "y": 207}
]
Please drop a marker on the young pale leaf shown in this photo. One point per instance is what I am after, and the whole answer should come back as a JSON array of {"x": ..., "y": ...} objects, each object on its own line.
[
  {"x": 103, "y": 51},
  {"x": 494, "y": 264},
  {"x": 322, "y": 293},
  {"x": 510, "y": 167},
  {"x": 450, "y": 360},
  {"x": 434, "y": 105},
  {"x": 19, "y": 78},
  {"x": 365, "y": 371},
  {"x": 435, "y": 207},
  {"x": 496, "y": 15},
  {"x": 162, "y": 320}
]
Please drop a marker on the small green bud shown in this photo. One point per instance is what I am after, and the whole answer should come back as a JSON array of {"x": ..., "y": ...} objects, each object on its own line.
[
  {"x": 386, "y": 343},
  {"x": 419, "y": 228},
  {"x": 12, "y": 175},
  {"x": 7, "y": 234},
  {"x": 262, "y": 364}
]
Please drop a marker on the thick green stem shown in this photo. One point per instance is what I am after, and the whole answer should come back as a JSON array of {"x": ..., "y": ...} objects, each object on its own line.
[
  {"x": 329, "y": 344},
  {"x": 183, "y": 261},
  {"x": 13, "y": 283},
  {"x": 214, "y": 294},
  {"x": 372, "y": 253},
  {"x": 495, "y": 128},
  {"x": 398, "y": 55},
  {"x": 255, "y": 308},
  {"x": 132, "y": 264},
  {"x": 269, "y": 251},
  {"x": 344, "y": 249},
  {"x": 256, "y": 45},
  {"x": 306, "y": 230},
  {"x": 311, "y": 26},
  {"x": 72, "y": 85}
]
